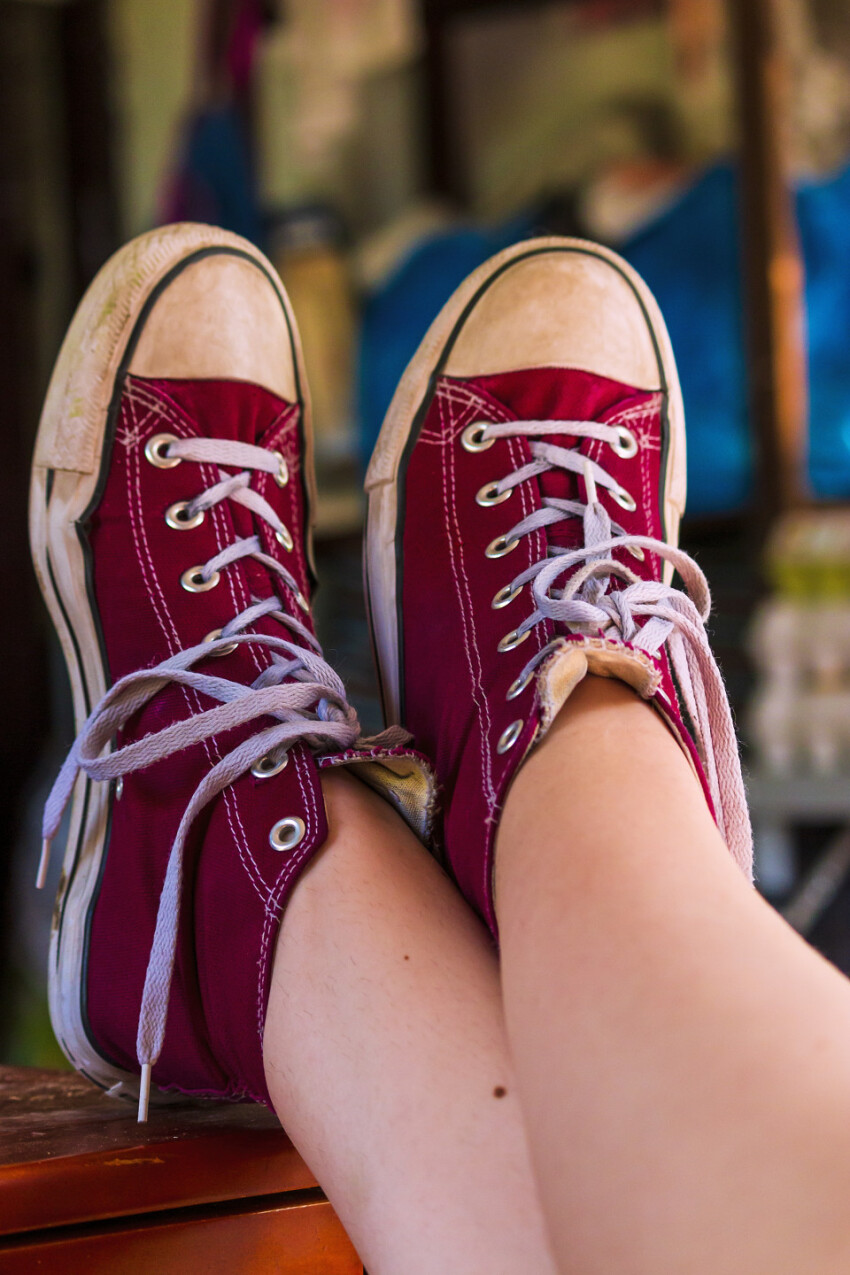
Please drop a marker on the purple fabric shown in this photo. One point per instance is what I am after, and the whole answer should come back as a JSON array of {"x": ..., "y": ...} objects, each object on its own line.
[
  {"x": 236, "y": 884},
  {"x": 451, "y": 631}
]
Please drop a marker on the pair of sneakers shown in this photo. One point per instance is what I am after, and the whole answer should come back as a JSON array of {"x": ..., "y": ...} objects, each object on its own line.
[{"x": 524, "y": 501}]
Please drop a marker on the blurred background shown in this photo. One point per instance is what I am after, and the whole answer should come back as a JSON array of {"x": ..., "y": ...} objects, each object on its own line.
[{"x": 379, "y": 150}]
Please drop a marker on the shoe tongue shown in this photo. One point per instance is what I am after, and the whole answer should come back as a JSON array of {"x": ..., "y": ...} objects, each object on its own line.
[
  {"x": 236, "y": 410},
  {"x": 554, "y": 393},
  {"x": 551, "y": 394}
]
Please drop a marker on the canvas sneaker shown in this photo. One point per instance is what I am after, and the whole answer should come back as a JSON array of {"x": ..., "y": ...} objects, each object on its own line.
[
  {"x": 525, "y": 495},
  {"x": 170, "y": 517}
]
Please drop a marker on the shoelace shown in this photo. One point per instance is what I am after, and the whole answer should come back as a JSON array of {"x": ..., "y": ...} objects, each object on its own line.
[
  {"x": 298, "y": 689},
  {"x": 586, "y": 605}
]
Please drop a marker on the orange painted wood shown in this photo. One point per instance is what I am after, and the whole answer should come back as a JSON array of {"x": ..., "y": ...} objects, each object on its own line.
[
  {"x": 299, "y": 1239},
  {"x": 69, "y": 1154},
  {"x": 773, "y": 265}
]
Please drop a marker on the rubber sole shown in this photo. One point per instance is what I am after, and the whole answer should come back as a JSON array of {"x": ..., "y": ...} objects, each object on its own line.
[
  {"x": 69, "y": 470},
  {"x": 404, "y": 419}
]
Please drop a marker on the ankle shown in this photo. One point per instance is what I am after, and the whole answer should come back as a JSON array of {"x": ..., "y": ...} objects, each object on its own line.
[
  {"x": 601, "y": 776},
  {"x": 606, "y": 728},
  {"x": 596, "y": 694}
]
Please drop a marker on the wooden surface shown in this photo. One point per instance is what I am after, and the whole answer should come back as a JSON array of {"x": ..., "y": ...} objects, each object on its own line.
[
  {"x": 202, "y": 1186},
  {"x": 69, "y": 1154},
  {"x": 292, "y": 1238}
]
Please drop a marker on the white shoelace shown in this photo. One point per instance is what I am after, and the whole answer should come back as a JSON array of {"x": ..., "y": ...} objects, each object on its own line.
[
  {"x": 586, "y": 605},
  {"x": 298, "y": 690}
]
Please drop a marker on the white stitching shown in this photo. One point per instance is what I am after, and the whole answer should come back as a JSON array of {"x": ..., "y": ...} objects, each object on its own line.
[
  {"x": 278, "y": 434},
  {"x": 191, "y": 697},
  {"x": 471, "y": 403},
  {"x": 273, "y": 911},
  {"x": 224, "y": 531},
  {"x": 464, "y": 596},
  {"x": 175, "y": 416}
]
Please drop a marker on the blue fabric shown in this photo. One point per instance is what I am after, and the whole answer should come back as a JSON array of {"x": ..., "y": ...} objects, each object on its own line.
[
  {"x": 397, "y": 315},
  {"x": 214, "y": 181},
  {"x": 689, "y": 256},
  {"x": 823, "y": 213}
]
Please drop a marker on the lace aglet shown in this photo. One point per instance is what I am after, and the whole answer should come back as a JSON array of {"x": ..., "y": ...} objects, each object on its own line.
[
  {"x": 589, "y": 482},
  {"x": 43, "y": 864},
  {"x": 144, "y": 1092}
]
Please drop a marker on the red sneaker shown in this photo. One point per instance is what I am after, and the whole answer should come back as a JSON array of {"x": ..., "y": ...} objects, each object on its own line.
[
  {"x": 170, "y": 523},
  {"x": 524, "y": 503}
]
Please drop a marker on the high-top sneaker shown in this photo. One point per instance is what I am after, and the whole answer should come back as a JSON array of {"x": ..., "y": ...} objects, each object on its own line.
[
  {"x": 170, "y": 520},
  {"x": 524, "y": 503}
]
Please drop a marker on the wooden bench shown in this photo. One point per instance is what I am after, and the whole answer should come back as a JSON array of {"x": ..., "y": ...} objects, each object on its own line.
[{"x": 200, "y": 1188}]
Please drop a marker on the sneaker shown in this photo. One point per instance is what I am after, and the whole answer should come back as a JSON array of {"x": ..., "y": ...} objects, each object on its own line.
[
  {"x": 170, "y": 518},
  {"x": 525, "y": 495}
]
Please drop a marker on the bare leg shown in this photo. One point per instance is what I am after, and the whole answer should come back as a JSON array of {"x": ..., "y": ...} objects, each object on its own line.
[
  {"x": 683, "y": 1058},
  {"x": 386, "y": 1056}
]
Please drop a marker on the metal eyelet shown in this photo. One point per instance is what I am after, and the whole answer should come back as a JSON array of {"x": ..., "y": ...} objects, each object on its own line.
[
  {"x": 156, "y": 447},
  {"x": 501, "y": 546},
  {"x": 626, "y": 444},
  {"x": 519, "y": 685},
  {"x": 509, "y": 737},
  {"x": 286, "y": 833},
  {"x": 490, "y": 495},
  {"x": 119, "y": 787},
  {"x": 175, "y": 516},
  {"x": 193, "y": 580},
  {"x": 505, "y": 596},
  {"x": 224, "y": 650},
  {"x": 512, "y": 640},
  {"x": 267, "y": 766},
  {"x": 624, "y": 499},
  {"x": 282, "y": 475},
  {"x": 636, "y": 552},
  {"x": 284, "y": 538},
  {"x": 302, "y": 602},
  {"x": 472, "y": 437}
]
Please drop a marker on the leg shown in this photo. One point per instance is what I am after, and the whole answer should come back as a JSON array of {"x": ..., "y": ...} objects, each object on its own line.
[
  {"x": 682, "y": 1057},
  {"x": 386, "y": 1058}
]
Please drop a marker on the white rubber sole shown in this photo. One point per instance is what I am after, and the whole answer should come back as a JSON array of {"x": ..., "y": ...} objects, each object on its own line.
[
  {"x": 64, "y": 486},
  {"x": 382, "y": 478}
]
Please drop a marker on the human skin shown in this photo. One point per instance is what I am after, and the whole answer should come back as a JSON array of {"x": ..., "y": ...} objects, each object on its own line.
[
  {"x": 682, "y": 1056},
  {"x": 675, "y": 1059},
  {"x": 386, "y": 1056}
]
